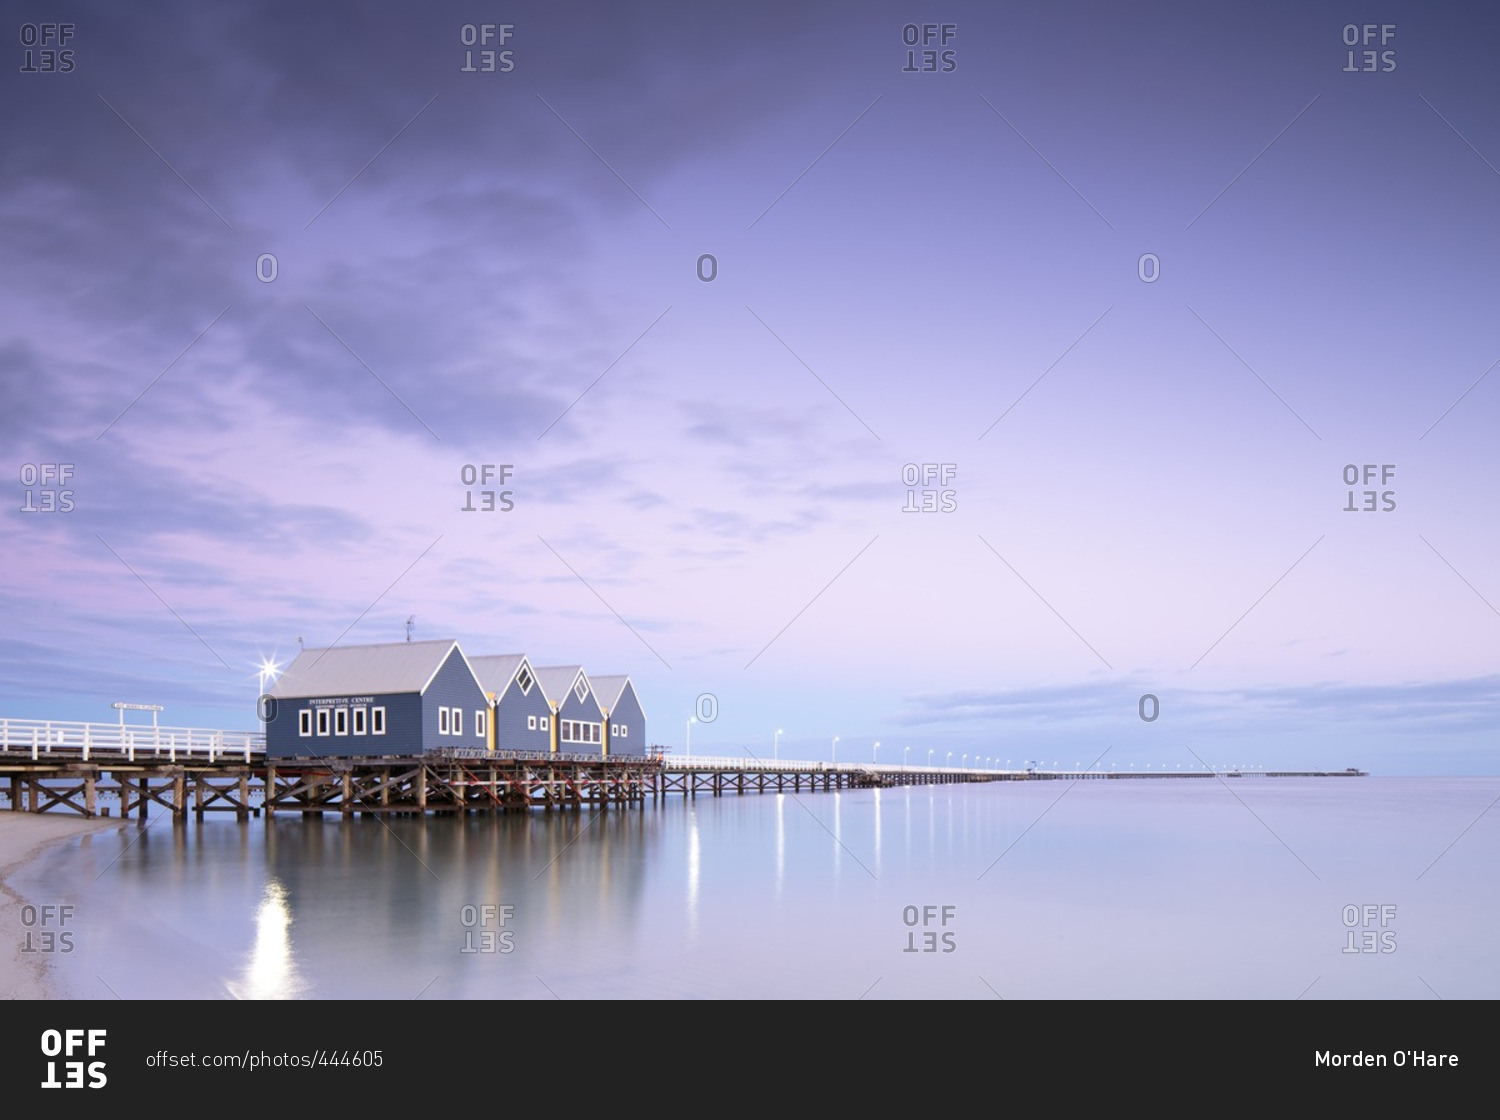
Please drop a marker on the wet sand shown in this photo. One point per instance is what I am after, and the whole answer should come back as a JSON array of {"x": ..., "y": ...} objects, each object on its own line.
[{"x": 23, "y": 836}]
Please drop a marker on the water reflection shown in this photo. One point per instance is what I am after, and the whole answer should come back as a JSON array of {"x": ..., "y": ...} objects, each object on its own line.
[
  {"x": 271, "y": 972},
  {"x": 1121, "y": 889}
]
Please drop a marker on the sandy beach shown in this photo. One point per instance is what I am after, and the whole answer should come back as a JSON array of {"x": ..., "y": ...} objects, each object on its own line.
[{"x": 22, "y": 837}]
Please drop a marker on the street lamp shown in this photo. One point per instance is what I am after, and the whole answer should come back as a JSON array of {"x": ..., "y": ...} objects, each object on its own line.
[
  {"x": 874, "y": 751},
  {"x": 929, "y": 759},
  {"x": 905, "y": 755},
  {"x": 691, "y": 720},
  {"x": 835, "y": 750},
  {"x": 776, "y": 746},
  {"x": 949, "y": 758}
]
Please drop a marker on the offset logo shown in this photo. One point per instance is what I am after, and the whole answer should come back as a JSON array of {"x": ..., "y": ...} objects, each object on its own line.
[{"x": 74, "y": 1045}]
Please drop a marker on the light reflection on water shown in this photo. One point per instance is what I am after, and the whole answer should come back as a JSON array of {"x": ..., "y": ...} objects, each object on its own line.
[{"x": 1129, "y": 889}]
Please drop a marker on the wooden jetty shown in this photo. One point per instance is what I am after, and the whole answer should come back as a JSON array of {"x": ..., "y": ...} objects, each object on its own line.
[{"x": 92, "y": 769}]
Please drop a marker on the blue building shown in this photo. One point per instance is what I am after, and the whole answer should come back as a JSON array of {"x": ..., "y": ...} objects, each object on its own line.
[
  {"x": 577, "y": 722},
  {"x": 521, "y": 717},
  {"x": 624, "y": 719},
  {"x": 394, "y": 698}
]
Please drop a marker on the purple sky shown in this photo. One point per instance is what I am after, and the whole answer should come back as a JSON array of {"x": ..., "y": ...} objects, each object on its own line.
[{"x": 901, "y": 256}]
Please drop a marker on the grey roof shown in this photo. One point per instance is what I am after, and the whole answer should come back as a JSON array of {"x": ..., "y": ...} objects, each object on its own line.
[
  {"x": 557, "y": 682},
  {"x": 608, "y": 689},
  {"x": 361, "y": 670},
  {"x": 495, "y": 670}
]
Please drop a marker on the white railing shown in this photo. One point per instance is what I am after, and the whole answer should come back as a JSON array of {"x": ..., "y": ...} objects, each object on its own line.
[
  {"x": 787, "y": 765},
  {"x": 37, "y": 737}
]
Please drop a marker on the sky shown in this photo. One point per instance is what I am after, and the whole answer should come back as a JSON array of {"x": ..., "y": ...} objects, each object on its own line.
[{"x": 727, "y": 295}]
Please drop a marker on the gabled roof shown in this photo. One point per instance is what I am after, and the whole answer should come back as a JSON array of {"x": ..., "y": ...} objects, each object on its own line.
[
  {"x": 360, "y": 670},
  {"x": 607, "y": 690},
  {"x": 557, "y": 682},
  {"x": 496, "y": 670}
]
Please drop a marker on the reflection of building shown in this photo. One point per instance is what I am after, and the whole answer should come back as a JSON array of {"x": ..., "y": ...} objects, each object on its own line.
[
  {"x": 624, "y": 719},
  {"x": 401, "y": 698},
  {"x": 394, "y": 698},
  {"x": 522, "y": 718}
]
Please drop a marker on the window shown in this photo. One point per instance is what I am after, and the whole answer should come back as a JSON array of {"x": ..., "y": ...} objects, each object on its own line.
[
  {"x": 341, "y": 722},
  {"x": 304, "y": 722},
  {"x": 598, "y": 731},
  {"x": 624, "y": 731},
  {"x": 442, "y": 721},
  {"x": 479, "y": 721},
  {"x": 377, "y": 720},
  {"x": 531, "y": 723},
  {"x": 614, "y": 729},
  {"x": 359, "y": 721},
  {"x": 458, "y": 721},
  {"x": 581, "y": 690},
  {"x": 524, "y": 681},
  {"x": 544, "y": 723},
  {"x": 322, "y": 721}
]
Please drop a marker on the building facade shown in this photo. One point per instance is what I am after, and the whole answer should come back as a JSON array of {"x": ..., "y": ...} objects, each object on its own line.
[
  {"x": 521, "y": 716},
  {"x": 624, "y": 719},
  {"x": 396, "y": 698}
]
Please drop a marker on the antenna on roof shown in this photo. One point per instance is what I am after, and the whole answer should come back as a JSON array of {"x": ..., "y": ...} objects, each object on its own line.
[
  {"x": 410, "y": 622},
  {"x": 299, "y": 642}
]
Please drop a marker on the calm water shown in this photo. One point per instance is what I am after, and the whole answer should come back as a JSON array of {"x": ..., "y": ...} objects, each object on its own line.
[{"x": 1117, "y": 889}]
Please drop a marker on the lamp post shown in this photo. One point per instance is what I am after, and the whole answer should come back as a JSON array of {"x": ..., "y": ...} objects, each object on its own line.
[
  {"x": 929, "y": 760},
  {"x": 905, "y": 756},
  {"x": 835, "y": 750},
  {"x": 776, "y": 746},
  {"x": 949, "y": 759},
  {"x": 691, "y": 720},
  {"x": 874, "y": 752}
]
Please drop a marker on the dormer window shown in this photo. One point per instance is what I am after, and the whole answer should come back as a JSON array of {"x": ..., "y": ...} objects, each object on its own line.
[
  {"x": 524, "y": 681},
  {"x": 581, "y": 690}
]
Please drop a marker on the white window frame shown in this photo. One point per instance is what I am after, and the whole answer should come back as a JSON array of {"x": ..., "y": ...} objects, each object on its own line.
[
  {"x": 479, "y": 717},
  {"x": 359, "y": 721},
  {"x": 544, "y": 723},
  {"x": 525, "y": 680},
  {"x": 456, "y": 720},
  {"x": 304, "y": 722},
  {"x": 531, "y": 723},
  {"x": 581, "y": 690},
  {"x": 624, "y": 731},
  {"x": 442, "y": 721},
  {"x": 341, "y": 721},
  {"x": 377, "y": 721},
  {"x": 614, "y": 729},
  {"x": 322, "y": 720}
]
